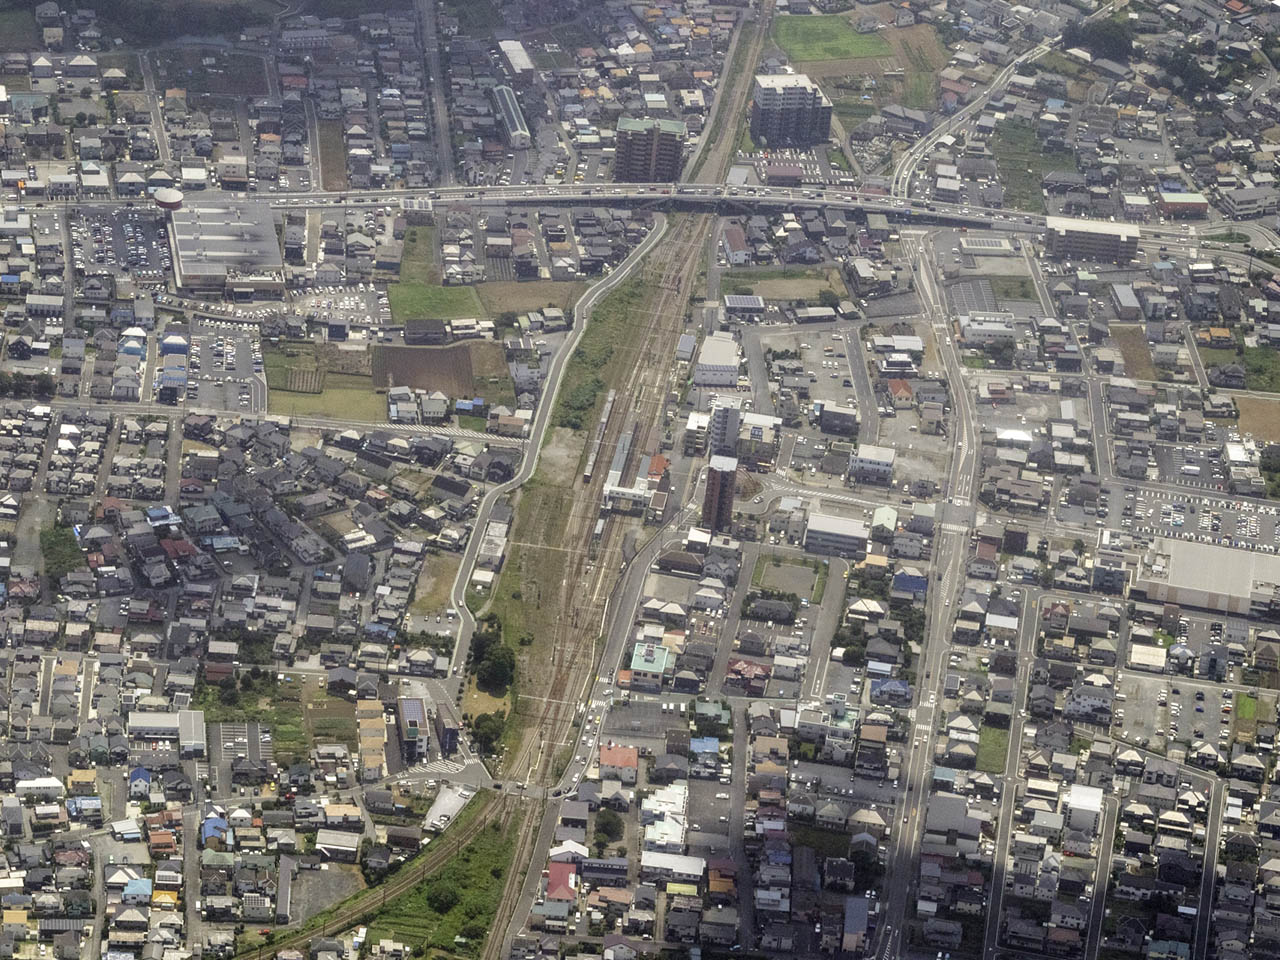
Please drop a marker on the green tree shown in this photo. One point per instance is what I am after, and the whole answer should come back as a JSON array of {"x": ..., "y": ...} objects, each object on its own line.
[
  {"x": 487, "y": 730},
  {"x": 442, "y": 897},
  {"x": 829, "y": 298},
  {"x": 498, "y": 669},
  {"x": 609, "y": 823}
]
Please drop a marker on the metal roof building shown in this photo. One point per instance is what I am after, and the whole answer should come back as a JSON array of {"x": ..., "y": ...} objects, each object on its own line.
[
  {"x": 229, "y": 247},
  {"x": 514, "y": 129}
]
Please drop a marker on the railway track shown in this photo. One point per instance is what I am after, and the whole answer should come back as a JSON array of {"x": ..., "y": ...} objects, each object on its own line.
[
  {"x": 734, "y": 103},
  {"x": 574, "y": 653},
  {"x": 438, "y": 854}
]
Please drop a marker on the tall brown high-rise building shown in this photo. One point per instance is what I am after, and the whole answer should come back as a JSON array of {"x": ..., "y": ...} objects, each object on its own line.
[
  {"x": 648, "y": 151},
  {"x": 717, "y": 502}
]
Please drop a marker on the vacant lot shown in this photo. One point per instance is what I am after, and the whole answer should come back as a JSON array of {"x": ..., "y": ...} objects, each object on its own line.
[
  {"x": 1260, "y": 417},
  {"x": 1023, "y": 162},
  {"x": 435, "y": 582},
  {"x": 783, "y": 283},
  {"x": 1132, "y": 341},
  {"x": 447, "y": 369},
  {"x": 234, "y": 74},
  {"x": 412, "y": 299},
  {"x": 785, "y": 576},
  {"x": 344, "y": 397},
  {"x": 510, "y": 296},
  {"x": 330, "y": 719},
  {"x": 1012, "y": 288},
  {"x": 808, "y": 38},
  {"x": 993, "y": 749},
  {"x": 18, "y": 30},
  {"x": 419, "y": 263},
  {"x": 461, "y": 370},
  {"x": 333, "y": 156}
]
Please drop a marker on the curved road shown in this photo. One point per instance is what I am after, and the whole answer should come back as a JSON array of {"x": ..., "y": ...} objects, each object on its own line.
[
  {"x": 907, "y": 164},
  {"x": 541, "y": 421}
]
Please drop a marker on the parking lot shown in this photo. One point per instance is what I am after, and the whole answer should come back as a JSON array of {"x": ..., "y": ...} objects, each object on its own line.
[
  {"x": 359, "y": 305},
  {"x": 225, "y": 367},
  {"x": 1189, "y": 466},
  {"x": 1161, "y": 712},
  {"x": 1246, "y": 524},
  {"x": 127, "y": 241},
  {"x": 231, "y": 740}
]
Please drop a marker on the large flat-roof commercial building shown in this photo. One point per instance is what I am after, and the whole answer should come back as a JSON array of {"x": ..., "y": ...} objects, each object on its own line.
[
  {"x": 518, "y": 62},
  {"x": 789, "y": 109},
  {"x": 514, "y": 130},
  {"x": 191, "y": 733},
  {"x": 187, "y": 727},
  {"x": 1097, "y": 240},
  {"x": 870, "y": 463},
  {"x": 1210, "y": 577},
  {"x": 230, "y": 248},
  {"x": 648, "y": 151},
  {"x": 825, "y": 533},
  {"x": 717, "y": 364}
]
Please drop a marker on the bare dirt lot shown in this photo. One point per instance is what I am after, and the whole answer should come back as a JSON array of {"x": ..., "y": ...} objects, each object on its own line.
[
  {"x": 447, "y": 369},
  {"x": 477, "y": 367},
  {"x": 1260, "y": 417},
  {"x": 1132, "y": 342},
  {"x": 512, "y": 296}
]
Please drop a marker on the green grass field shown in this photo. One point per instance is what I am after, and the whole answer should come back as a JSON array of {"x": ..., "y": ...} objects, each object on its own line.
[
  {"x": 1229, "y": 236},
  {"x": 1246, "y": 707},
  {"x": 60, "y": 551},
  {"x": 1023, "y": 162},
  {"x": 808, "y": 38},
  {"x": 993, "y": 749},
  {"x": 476, "y": 16},
  {"x": 1262, "y": 369},
  {"x": 851, "y": 111},
  {"x": 583, "y": 389},
  {"x": 1012, "y": 288},
  {"x": 452, "y": 911},
  {"x": 415, "y": 299},
  {"x": 276, "y": 705},
  {"x": 345, "y": 397},
  {"x": 418, "y": 263},
  {"x": 1216, "y": 356}
]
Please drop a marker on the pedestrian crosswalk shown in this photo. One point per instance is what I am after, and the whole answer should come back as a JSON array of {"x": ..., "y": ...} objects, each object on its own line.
[{"x": 439, "y": 766}]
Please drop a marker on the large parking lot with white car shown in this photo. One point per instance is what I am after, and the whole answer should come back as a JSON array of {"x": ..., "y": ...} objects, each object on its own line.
[
  {"x": 127, "y": 241},
  {"x": 225, "y": 367},
  {"x": 360, "y": 305},
  {"x": 1204, "y": 518}
]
